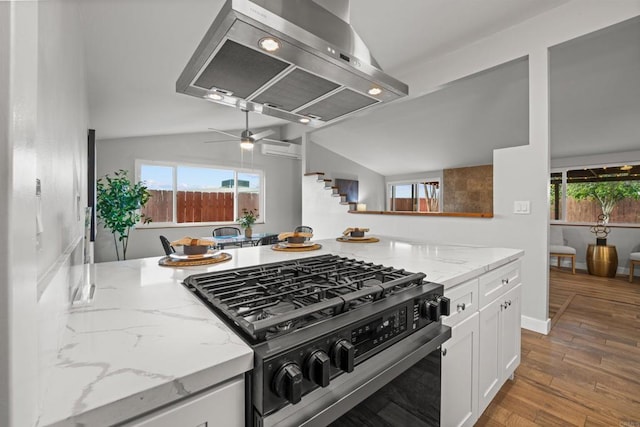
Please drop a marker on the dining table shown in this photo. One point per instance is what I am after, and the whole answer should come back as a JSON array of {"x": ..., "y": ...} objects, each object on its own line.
[{"x": 221, "y": 242}]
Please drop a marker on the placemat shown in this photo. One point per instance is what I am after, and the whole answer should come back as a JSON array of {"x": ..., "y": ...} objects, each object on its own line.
[
  {"x": 279, "y": 247},
  {"x": 358, "y": 240},
  {"x": 168, "y": 262}
]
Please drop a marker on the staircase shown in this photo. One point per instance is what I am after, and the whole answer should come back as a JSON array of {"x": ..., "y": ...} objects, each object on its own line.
[{"x": 328, "y": 185}]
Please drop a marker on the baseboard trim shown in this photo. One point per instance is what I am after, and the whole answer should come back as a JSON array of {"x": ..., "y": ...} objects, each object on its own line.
[{"x": 535, "y": 325}]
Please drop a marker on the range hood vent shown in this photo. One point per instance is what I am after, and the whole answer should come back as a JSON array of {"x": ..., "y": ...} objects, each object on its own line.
[{"x": 320, "y": 72}]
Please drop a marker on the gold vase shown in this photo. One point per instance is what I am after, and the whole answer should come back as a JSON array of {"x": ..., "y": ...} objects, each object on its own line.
[
  {"x": 248, "y": 232},
  {"x": 602, "y": 260}
]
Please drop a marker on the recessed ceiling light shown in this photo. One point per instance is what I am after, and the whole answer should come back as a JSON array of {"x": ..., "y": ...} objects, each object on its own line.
[
  {"x": 214, "y": 96},
  {"x": 269, "y": 44},
  {"x": 304, "y": 120},
  {"x": 626, "y": 168},
  {"x": 375, "y": 91}
]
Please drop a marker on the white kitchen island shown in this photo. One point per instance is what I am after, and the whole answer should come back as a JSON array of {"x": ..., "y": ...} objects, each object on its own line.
[{"x": 144, "y": 341}]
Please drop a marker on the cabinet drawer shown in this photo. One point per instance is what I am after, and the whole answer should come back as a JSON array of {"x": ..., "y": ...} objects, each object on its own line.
[
  {"x": 496, "y": 282},
  {"x": 464, "y": 302}
]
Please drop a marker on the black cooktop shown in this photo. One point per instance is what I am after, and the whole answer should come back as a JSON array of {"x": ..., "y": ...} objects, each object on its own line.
[{"x": 270, "y": 300}]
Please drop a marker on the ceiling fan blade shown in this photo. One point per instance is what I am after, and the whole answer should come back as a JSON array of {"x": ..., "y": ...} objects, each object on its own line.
[
  {"x": 221, "y": 140},
  {"x": 225, "y": 133},
  {"x": 275, "y": 142},
  {"x": 261, "y": 135}
]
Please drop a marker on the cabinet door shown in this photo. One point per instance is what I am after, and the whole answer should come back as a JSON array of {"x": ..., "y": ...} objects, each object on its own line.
[
  {"x": 510, "y": 325},
  {"x": 459, "y": 405},
  {"x": 490, "y": 367},
  {"x": 224, "y": 406}
]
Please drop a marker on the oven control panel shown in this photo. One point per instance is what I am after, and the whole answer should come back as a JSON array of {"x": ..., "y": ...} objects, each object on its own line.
[{"x": 288, "y": 376}]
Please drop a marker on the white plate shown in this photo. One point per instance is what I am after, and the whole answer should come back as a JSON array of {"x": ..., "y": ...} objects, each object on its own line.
[{"x": 182, "y": 257}]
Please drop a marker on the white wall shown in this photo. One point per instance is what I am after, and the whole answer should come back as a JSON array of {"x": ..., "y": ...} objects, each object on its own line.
[
  {"x": 44, "y": 121},
  {"x": 532, "y": 38},
  {"x": 282, "y": 179},
  {"x": 370, "y": 183}
]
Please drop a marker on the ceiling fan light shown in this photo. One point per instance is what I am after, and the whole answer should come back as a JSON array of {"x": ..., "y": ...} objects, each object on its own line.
[{"x": 246, "y": 144}]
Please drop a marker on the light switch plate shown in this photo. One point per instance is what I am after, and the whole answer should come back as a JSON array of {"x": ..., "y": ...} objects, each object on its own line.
[{"x": 522, "y": 207}]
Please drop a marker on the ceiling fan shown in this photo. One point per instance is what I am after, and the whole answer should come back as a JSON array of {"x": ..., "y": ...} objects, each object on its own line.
[{"x": 248, "y": 139}]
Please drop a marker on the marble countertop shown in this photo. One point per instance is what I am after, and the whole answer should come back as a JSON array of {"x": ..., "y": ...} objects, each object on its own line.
[{"x": 144, "y": 340}]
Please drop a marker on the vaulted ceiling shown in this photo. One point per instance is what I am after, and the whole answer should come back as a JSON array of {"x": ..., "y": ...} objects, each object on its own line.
[{"x": 136, "y": 49}]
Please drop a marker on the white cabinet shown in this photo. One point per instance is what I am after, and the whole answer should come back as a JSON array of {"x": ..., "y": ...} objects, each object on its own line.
[
  {"x": 460, "y": 375},
  {"x": 222, "y": 406},
  {"x": 498, "y": 281},
  {"x": 484, "y": 348},
  {"x": 510, "y": 333},
  {"x": 499, "y": 344},
  {"x": 463, "y": 302}
]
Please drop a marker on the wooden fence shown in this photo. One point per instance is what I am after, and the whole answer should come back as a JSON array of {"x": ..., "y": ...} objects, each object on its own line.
[
  {"x": 197, "y": 206},
  {"x": 625, "y": 211},
  {"x": 406, "y": 204}
]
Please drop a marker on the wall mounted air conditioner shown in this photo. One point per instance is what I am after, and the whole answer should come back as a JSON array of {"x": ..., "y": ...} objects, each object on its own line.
[{"x": 293, "y": 151}]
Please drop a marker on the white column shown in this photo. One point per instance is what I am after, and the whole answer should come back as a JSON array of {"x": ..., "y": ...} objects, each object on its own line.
[{"x": 18, "y": 271}]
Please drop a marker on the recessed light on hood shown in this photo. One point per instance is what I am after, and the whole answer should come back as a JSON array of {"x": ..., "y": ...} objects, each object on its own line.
[
  {"x": 269, "y": 44},
  {"x": 214, "y": 96},
  {"x": 304, "y": 120},
  {"x": 287, "y": 59}
]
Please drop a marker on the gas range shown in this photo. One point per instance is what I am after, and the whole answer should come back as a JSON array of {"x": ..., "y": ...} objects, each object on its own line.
[{"x": 313, "y": 319}]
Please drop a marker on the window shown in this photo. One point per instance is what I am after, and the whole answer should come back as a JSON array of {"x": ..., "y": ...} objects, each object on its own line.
[
  {"x": 581, "y": 195},
  {"x": 422, "y": 196},
  {"x": 194, "y": 194}
]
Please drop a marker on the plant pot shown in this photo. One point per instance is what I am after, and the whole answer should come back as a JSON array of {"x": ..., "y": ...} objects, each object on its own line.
[{"x": 248, "y": 232}]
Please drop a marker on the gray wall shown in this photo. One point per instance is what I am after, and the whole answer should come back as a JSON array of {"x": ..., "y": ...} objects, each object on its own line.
[
  {"x": 282, "y": 179},
  {"x": 370, "y": 184}
]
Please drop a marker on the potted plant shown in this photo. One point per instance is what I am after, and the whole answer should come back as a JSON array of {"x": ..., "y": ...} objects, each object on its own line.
[
  {"x": 246, "y": 220},
  {"x": 118, "y": 206}
]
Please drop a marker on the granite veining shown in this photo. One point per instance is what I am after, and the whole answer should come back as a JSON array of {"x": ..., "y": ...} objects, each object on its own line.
[{"x": 144, "y": 340}]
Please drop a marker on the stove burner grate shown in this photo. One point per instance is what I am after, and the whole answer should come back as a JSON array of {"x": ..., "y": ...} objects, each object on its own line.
[{"x": 277, "y": 298}]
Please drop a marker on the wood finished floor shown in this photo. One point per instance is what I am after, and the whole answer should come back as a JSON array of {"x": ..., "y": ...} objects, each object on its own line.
[{"x": 586, "y": 372}]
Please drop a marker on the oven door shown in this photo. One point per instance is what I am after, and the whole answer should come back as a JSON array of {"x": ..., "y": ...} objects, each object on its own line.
[{"x": 398, "y": 386}]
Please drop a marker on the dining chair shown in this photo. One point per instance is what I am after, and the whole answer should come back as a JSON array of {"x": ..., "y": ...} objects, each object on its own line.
[
  {"x": 226, "y": 231},
  {"x": 168, "y": 249},
  {"x": 267, "y": 240},
  {"x": 304, "y": 229}
]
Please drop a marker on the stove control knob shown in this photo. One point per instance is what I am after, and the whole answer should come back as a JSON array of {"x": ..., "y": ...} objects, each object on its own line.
[
  {"x": 318, "y": 368},
  {"x": 431, "y": 310},
  {"x": 342, "y": 355},
  {"x": 287, "y": 383}
]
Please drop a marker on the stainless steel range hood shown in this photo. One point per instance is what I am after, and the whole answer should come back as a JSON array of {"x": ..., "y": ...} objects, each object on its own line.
[{"x": 320, "y": 72}]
